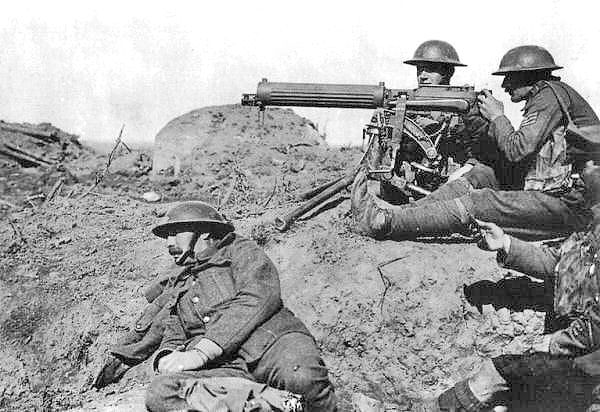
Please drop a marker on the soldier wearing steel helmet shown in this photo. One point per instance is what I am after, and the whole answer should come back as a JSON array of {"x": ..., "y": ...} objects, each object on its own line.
[
  {"x": 531, "y": 192},
  {"x": 435, "y": 61},
  {"x": 217, "y": 328}
]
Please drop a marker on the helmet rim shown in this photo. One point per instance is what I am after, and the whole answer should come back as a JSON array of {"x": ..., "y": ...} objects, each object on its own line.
[{"x": 164, "y": 230}]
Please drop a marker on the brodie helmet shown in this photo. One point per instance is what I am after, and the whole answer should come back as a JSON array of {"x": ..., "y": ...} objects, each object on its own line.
[
  {"x": 526, "y": 58},
  {"x": 192, "y": 216},
  {"x": 435, "y": 51}
]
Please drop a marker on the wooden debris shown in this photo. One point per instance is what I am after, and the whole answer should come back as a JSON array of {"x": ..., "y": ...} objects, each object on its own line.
[
  {"x": 272, "y": 194},
  {"x": 24, "y": 159},
  {"x": 126, "y": 147},
  {"x": 100, "y": 176},
  {"x": 55, "y": 189},
  {"x": 26, "y": 153},
  {"x": 39, "y": 134}
]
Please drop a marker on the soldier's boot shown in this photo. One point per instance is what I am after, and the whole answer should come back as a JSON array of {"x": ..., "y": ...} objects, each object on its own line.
[
  {"x": 137, "y": 352},
  {"x": 369, "y": 218},
  {"x": 395, "y": 222}
]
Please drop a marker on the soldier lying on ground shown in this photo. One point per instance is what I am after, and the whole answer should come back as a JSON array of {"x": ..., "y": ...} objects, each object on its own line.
[
  {"x": 530, "y": 191},
  {"x": 563, "y": 374},
  {"x": 220, "y": 327},
  {"x": 435, "y": 61}
]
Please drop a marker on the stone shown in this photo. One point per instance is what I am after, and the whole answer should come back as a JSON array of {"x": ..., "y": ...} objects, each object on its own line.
[{"x": 151, "y": 197}]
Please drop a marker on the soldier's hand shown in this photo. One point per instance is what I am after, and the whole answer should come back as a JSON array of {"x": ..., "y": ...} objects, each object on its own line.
[
  {"x": 182, "y": 361},
  {"x": 489, "y": 106},
  {"x": 492, "y": 237},
  {"x": 560, "y": 343}
]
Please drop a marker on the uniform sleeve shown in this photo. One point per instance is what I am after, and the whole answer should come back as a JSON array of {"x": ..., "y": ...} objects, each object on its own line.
[
  {"x": 581, "y": 336},
  {"x": 257, "y": 298},
  {"x": 529, "y": 259},
  {"x": 542, "y": 115},
  {"x": 475, "y": 136}
]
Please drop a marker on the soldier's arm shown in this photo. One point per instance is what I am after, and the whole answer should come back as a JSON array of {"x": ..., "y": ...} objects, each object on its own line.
[
  {"x": 475, "y": 135},
  {"x": 258, "y": 297},
  {"x": 527, "y": 258},
  {"x": 541, "y": 117},
  {"x": 581, "y": 336}
]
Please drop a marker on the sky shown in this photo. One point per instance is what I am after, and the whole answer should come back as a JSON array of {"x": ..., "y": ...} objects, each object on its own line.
[{"x": 89, "y": 68}]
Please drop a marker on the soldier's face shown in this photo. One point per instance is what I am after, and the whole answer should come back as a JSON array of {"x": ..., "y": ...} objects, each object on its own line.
[
  {"x": 432, "y": 73},
  {"x": 181, "y": 246},
  {"x": 517, "y": 85}
]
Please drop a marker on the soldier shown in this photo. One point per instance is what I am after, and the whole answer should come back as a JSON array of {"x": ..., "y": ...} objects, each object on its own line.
[
  {"x": 220, "y": 327},
  {"x": 562, "y": 376},
  {"x": 531, "y": 191},
  {"x": 435, "y": 61}
]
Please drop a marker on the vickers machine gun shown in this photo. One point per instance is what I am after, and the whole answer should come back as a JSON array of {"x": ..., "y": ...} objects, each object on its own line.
[{"x": 400, "y": 152}]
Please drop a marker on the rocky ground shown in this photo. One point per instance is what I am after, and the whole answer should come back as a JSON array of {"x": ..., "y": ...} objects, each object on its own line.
[{"x": 391, "y": 317}]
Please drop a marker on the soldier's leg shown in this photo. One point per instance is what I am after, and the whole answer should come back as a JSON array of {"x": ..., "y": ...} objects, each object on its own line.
[
  {"x": 502, "y": 381},
  {"x": 294, "y": 363},
  {"x": 544, "y": 382},
  {"x": 482, "y": 176},
  {"x": 526, "y": 214},
  {"x": 447, "y": 191},
  {"x": 479, "y": 177},
  {"x": 383, "y": 221}
]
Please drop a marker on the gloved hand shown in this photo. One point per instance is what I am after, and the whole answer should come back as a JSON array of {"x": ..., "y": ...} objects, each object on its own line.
[{"x": 112, "y": 371}]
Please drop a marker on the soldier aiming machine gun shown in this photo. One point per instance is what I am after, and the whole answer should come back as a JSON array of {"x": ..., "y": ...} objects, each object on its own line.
[{"x": 400, "y": 153}]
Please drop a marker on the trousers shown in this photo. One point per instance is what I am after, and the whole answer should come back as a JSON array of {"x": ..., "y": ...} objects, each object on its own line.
[
  {"x": 293, "y": 363},
  {"x": 544, "y": 382},
  {"x": 524, "y": 214}
]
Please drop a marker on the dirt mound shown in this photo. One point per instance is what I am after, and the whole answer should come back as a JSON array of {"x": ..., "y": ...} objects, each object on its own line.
[
  {"x": 194, "y": 135},
  {"x": 229, "y": 157},
  {"x": 32, "y": 159}
]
